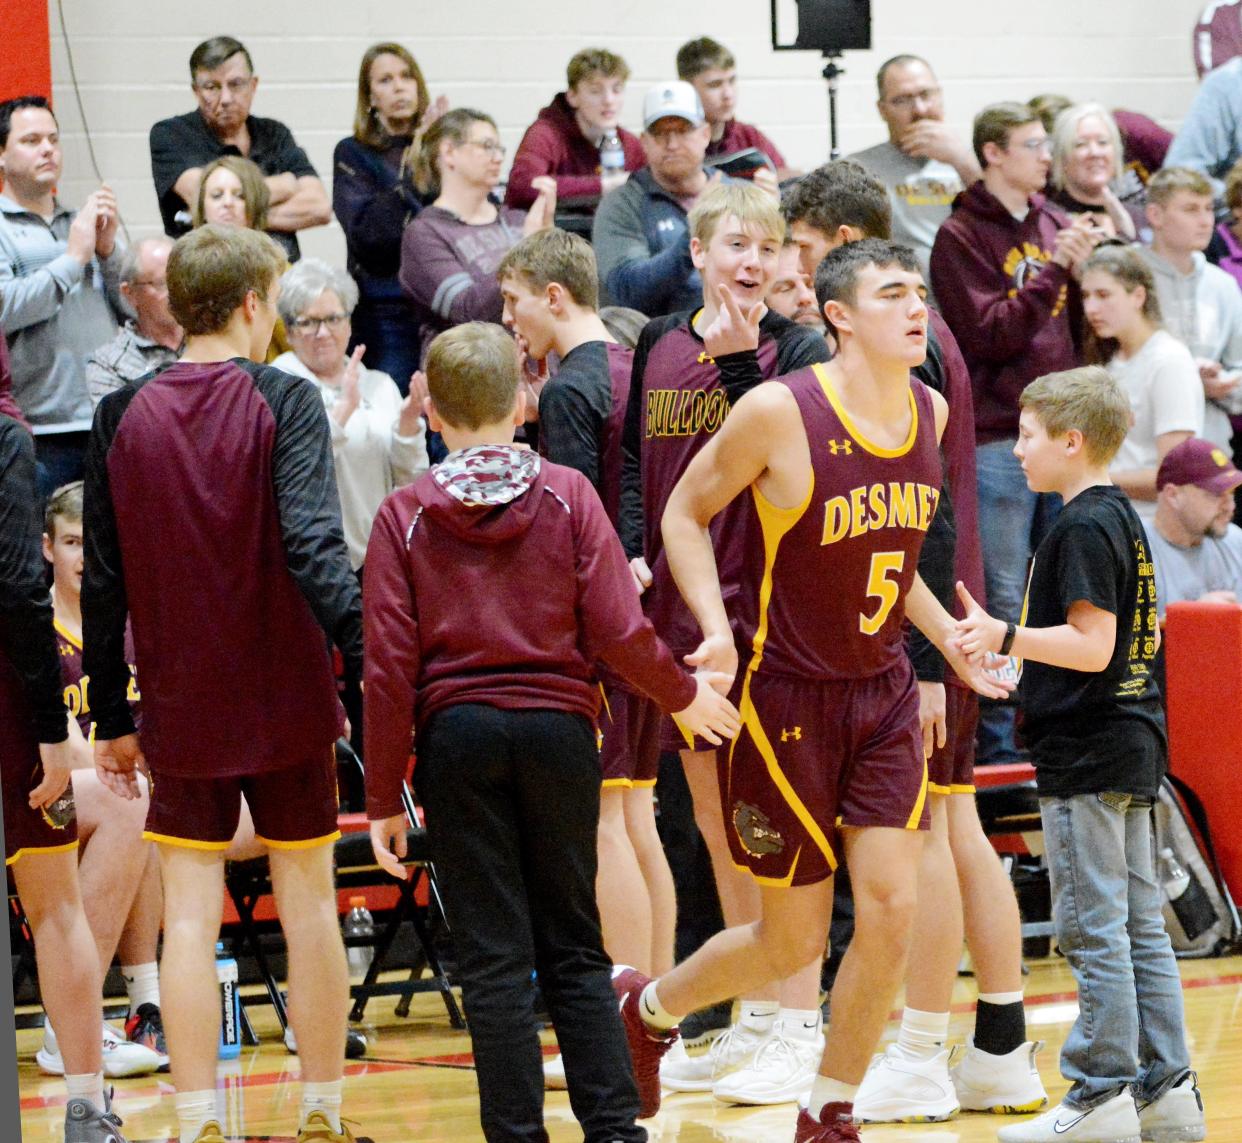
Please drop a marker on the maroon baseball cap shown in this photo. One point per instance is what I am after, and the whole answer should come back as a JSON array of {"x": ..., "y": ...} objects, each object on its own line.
[{"x": 1199, "y": 462}]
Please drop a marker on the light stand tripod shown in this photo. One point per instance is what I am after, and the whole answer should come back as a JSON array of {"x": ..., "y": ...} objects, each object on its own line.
[{"x": 832, "y": 76}]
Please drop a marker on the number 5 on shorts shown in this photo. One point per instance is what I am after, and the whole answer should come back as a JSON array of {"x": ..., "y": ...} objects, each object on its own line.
[{"x": 881, "y": 584}]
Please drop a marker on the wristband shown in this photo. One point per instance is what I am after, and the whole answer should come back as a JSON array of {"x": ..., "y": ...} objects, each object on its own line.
[{"x": 1011, "y": 629}]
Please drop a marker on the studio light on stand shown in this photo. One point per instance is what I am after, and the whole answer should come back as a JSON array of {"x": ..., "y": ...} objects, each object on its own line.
[{"x": 829, "y": 27}]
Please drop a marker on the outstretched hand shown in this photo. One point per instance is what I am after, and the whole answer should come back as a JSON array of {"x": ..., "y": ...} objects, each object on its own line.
[
  {"x": 732, "y": 330},
  {"x": 711, "y": 716},
  {"x": 978, "y": 633},
  {"x": 716, "y": 655}
]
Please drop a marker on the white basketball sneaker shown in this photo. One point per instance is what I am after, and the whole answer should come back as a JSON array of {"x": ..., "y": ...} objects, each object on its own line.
[
  {"x": 780, "y": 1071},
  {"x": 120, "y": 1057},
  {"x": 1177, "y": 1116},
  {"x": 554, "y": 1073},
  {"x": 897, "y": 1089},
  {"x": 1004, "y": 1085},
  {"x": 680, "y": 1071},
  {"x": 1113, "y": 1121}
]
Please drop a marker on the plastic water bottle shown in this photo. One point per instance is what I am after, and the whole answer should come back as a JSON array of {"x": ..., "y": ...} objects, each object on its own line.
[
  {"x": 230, "y": 1005},
  {"x": 611, "y": 154},
  {"x": 359, "y": 923},
  {"x": 1189, "y": 902}
]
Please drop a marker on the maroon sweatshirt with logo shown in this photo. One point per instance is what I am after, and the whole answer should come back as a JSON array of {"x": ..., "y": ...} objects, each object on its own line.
[
  {"x": 505, "y": 604},
  {"x": 555, "y": 145},
  {"x": 1013, "y": 311}
]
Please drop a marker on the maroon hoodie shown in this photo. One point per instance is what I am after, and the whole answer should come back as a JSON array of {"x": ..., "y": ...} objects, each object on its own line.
[
  {"x": 1012, "y": 310},
  {"x": 496, "y": 578},
  {"x": 555, "y": 145},
  {"x": 8, "y": 404}
]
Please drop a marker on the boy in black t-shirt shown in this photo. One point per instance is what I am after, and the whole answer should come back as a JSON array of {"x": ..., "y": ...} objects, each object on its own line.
[{"x": 1095, "y": 728}]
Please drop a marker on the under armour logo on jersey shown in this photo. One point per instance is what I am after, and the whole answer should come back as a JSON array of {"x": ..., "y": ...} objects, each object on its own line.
[
  {"x": 795, "y": 734},
  {"x": 706, "y": 358},
  {"x": 846, "y": 446},
  {"x": 65, "y": 650}
]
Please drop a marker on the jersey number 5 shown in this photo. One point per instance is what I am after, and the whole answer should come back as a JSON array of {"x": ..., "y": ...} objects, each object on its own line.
[{"x": 882, "y": 585}]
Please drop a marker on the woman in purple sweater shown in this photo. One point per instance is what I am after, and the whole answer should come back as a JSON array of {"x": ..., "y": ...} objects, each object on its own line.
[{"x": 450, "y": 251}]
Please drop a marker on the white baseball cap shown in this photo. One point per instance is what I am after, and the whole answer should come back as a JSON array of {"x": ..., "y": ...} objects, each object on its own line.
[{"x": 676, "y": 98}]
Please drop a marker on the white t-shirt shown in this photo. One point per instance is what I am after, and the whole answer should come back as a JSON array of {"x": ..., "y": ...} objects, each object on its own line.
[
  {"x": 1166, "y": 396},
  {"x": 921, "y": 192}
]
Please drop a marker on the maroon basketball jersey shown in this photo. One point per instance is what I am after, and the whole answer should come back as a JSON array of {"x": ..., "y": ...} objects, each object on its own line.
[
  {"x": 837, "y": 568},
  {"x": 683, "y": 406},
  {"x": 78, "y": 685}
]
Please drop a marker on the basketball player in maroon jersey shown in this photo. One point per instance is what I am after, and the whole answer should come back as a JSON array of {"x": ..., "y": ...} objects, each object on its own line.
[{"x": 844, "y": 471}]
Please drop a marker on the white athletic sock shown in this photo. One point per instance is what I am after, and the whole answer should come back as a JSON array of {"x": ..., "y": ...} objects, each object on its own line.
[
  {"x": 801, "y": 1023},
  {"x": 142, "y": 982},
  {"x": 89, "y": 1086},
  {"x": 922, "y": 1034},
  {"x": 758, "y": 1015},
  {"x": 194, "y": 1108},
  {"x": 999, "y": 998},
  {"x": 825, "y": 1090},
  {"x": 654, "y": 1014},
  {"x": 325, "y": 1097}
]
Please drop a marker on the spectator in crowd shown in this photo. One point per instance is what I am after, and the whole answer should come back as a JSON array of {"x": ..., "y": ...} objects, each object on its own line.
[
  {"x": 1003, "y": 267},
  {"x": 565, "y": 142},
  {"x": 1210, "y": 137},
  {"x": 1144, "y": 143},
  {"x": 923, "y": 163},
  {"x": 712, "y": 70},
  {"x": 1200, "y": 302},
  {"x": 792, "y": 292},
  {"x": 373, "y": 198},
  {"x": 232, "y": 192},
  {"x": 640, "y": 237},
  {"x": 377, "y": 436},
  {"x": 1195, "y": 546},
  {"x": 1217, "y": 37},
  {"x": 1086, "y": 171},
  {"x": 223, "y": 80},
  {"x": 1225, "y": 249},
  {"x": 449, "y": 253},
  {"x": 59, "y": 277},
  {"x": 1154, "y": 369},
  {"x": 151, "y": 338}
]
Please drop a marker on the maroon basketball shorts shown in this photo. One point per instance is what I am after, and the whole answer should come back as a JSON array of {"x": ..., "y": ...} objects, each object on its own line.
[
  {"x": 629, "y": 725},
  {"x": 294, "y": 808},
  {"x": 951, "y": 768},
  {"x": 25, "y": 830},
  {"x": 815, "y": 754}
]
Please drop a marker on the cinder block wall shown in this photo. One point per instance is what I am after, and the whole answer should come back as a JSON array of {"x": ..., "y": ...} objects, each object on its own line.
[{"x": 509, "y": 59}]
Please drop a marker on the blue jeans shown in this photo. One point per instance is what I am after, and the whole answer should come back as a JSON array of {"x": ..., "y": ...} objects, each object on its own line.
[
  {"x": 1106, "y": 906},
  {"x": 58, "y": 459},
  {"x": 387, "y": 327},
  {"x": 1012, "y": 521}
]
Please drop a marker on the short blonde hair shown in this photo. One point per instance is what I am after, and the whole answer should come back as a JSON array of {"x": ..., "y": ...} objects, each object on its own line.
[
  {"x": 553, "y": 255},
  {"x": 750, "y": 205},
  {"x": 1064, "y": 135},
  {"x": 1088, "y": 399},
  {"x": 1166, "y": 182},
  {"x": 472, "y": 374},
  {"x": 213, "y": 268}
]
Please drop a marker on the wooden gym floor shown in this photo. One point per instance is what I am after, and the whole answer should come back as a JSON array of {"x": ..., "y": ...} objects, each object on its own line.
[{"x": 417, "y": 1083}]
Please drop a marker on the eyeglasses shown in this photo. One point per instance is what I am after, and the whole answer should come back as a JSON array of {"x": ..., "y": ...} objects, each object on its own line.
[
  {"x": 1044, "y": 144},
  {"x": 489, "y": 146},
  {"x": 211, "y": 88},
  {"x": 904, "y": 102},
  {"x": 160, "y": 287},
  {"x": 312, "y": 324}
]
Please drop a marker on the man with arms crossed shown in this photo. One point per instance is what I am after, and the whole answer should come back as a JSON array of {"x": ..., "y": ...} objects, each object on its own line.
[
  {"x": 240, "y": 456},
  {"x": 829, "y": 703}
]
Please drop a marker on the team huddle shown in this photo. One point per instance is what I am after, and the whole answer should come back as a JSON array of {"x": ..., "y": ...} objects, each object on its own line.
[{"x": 714, "y": 550}]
